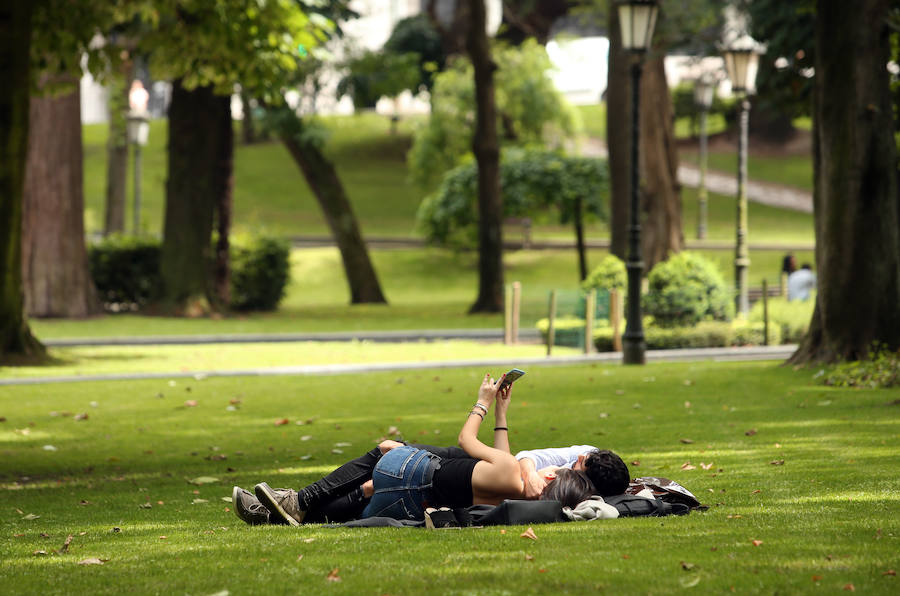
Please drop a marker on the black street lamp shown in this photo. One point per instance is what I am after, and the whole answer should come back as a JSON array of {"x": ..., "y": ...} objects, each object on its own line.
[
  {"x": 704, "y": 90},
  {"x": 742, "y": 62},
  {"x": 637, "y": 18}
]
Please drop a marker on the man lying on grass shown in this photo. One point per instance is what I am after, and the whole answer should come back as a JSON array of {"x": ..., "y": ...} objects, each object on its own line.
[{"x": 442, "y": 476}]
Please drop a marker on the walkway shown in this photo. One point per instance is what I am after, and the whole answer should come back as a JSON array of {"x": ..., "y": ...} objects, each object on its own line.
[{"x": 711, "y": 354}]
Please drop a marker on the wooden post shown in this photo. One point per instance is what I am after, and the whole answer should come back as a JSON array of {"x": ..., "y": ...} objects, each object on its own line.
[
  {"x": 765, "y": 299},
  {"x": 516, "y": 308},
  {"x": 590, "y": 306},
  {"x": 507, "y": 315},
  {"x": 615, "y": 318},
  {"x": 784, "y": 278},
  {"x": 552, "y": 321}
]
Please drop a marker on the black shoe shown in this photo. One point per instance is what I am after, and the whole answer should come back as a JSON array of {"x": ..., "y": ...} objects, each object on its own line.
[
  {"x": 440, "y": 518},
  {"x": 281, "y": 503}
]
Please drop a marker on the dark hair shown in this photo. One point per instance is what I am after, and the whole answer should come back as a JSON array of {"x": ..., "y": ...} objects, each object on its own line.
[
  {"x": 570, "y": 487},
  {"x": 607, "y": 471},
  {"x": 788, "y": 264},
  {"x": 806, "y": 266}
]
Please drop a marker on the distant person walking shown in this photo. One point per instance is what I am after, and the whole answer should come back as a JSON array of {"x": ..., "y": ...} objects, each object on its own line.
[{"x": 801, "y": 283}]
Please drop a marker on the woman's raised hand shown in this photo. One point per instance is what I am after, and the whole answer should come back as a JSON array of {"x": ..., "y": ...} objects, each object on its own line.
[{"x": 487, "y": 393}]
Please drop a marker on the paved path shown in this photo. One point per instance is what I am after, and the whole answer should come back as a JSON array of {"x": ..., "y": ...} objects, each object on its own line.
[
  {"x": 776, "y": 195},
  {"x": 711, "y": 354}
]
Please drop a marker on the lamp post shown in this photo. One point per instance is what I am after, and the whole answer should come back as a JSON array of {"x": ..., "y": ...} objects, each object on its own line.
[
  {"x": 704, "y": 89},
  {"x": 637, "y": 18},
  {"x": 742, "y": 62},
  {"x": 138, "y": 131}
]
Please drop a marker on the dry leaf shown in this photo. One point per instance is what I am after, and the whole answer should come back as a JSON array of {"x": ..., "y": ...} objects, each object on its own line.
[
  {"x": 82, "y": 416},
  {"x": 687, "y": 441},
  {"x": 93, "y": 561},
  {"x": 281, "y": 422},
  {"x": 146, "y": 505},
  {"x": 300, "y": 557},
  {"x": 777, "y": 462},
  {"x": 706, "y": 466},
  {"x": 333, "y": 575},
  {"x": 817, "y": 578},
  {"x": 687, "y": 404},
  {"x": 687, "y": 566},
  {"x": 750, "y": 432},
  {"x": 687, "y": 466},
  {"x": 38, "y": 553},
  {"x": 31, "y": 516},
  {"x": 542, "y": 570},
  {"x": 756, "y": 491},
  {"x": 502, "y": 531},
  {"x": 529, "y": 557},
  {"x": 308, "y": 540},
  {"x": 636, "y": 462},
  {"x": 393, "y": 431},
  {"x": 626, "y": 556},
  {"x": 529, "y": 533},
  {"x": 757, "y": 542},
  {"x": 850, "y": 588},
  {"x": 735, "y": 516},
  {"x": 65, "y": 547},
  {"x": 889, "y": 572},
  {"x": 191, "y": 403},
  {"x": 163, "y": 537}
]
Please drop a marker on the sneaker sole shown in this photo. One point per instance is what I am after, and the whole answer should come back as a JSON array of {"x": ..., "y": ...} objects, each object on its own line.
[{"x": 265, "y": 497}]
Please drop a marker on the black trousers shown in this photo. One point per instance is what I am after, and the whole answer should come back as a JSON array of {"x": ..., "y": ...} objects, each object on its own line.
[{"x": 338, "y": 497}]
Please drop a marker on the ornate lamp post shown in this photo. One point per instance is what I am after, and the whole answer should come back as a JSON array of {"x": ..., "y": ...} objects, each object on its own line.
[
  {"x": 637, "y": 19},
  {"x": 742, "y": 62},
  {"x": 704, "y": 90}
]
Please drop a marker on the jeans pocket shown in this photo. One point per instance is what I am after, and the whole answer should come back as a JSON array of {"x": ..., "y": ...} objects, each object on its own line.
[{"x": 396, "y": 510}]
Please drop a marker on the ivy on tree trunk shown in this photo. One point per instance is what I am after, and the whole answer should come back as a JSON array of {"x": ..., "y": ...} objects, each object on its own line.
[
  {"x": 16, "y": 340},
  {"x": 855, "y": 195}
]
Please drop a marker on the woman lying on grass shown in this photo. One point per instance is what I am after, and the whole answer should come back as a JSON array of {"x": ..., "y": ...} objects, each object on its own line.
[{"x": 407, "y": 480}]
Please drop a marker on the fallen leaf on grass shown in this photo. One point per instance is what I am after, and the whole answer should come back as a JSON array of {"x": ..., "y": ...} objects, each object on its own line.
[
  {"x": 687, "y": 566},
  {"x": 542, "y": 570},
  {"x": 502, "y": 532},
  {"x": 687, "y": 466},
  {"x": 777, "y": 462},
  {"x": 191, "y": 403},
  {"x": 529, "y": 557},
  {"x": 889, "y": 572},
  {"x": 817, "y": 578},
  {"x": 30, "y": 517},
  {"x": 199, "y": 480},
  {"x": 756, "y": 542},
  {"x": 529, "y": 533},
  {"x": 227, "y": 499},
  {"x": 65, "y": 547},
  {"x": 333, "y": 575},
  {"x": 636, "y": 462},
  {"x": 706, "y": 466},
  {"x": 756, "y": 491},
  {"x": 687, "y": 441},
  {"x": 626, "y": 556},
  {"x": 39, "y": 553},
  {"x": 337, "y": 451},
  {"x": 44, "y": 535},
  {"x": 163, "y": 537},
  {"x": 393, "y": 431},
  {"x": 750, "y": 432},
  {"x": 308, "y": 540},
  {"x": 82, "y": 416},
  {"x": 92, "y": 561},
  {"x": 146, "y": 505},
  {"x": 281, "y": 422},
  {"x": 850, "y": 588},
  {"x": 50, "y": 448},
  {"x": 735, "y": 516},
  {"x": 299, "y": 557}
]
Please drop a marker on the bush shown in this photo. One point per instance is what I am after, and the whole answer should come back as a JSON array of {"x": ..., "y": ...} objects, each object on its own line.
[
  {"x": 685, "y": 290},
  {"x": 790, "y": 318},
  {"x": 608, "y": 275},
  {"x": 880, "y": 370},
  {"x": 125, "y": 270},
  {"x": 260, "y": 270}
]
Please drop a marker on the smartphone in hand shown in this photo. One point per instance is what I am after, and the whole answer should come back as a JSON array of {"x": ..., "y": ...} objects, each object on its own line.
[{"x": 511, "y": 376}]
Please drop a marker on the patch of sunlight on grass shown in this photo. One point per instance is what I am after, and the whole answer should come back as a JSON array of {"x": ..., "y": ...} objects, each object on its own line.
[{"x": 845, "y": 497}]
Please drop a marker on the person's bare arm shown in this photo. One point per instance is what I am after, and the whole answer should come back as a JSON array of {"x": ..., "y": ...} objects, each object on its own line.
[
  {"x": 534, "y": 482},
  {"x": 501, "y": 428}
]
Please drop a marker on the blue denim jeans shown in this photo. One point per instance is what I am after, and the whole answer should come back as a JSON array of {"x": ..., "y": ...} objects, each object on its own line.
[{"x": 402, "y": 481}]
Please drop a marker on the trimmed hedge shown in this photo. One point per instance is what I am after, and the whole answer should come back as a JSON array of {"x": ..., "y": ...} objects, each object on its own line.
[
  {"x": 126, "y": 272},
  {"x": 791, "y": 318},
  {"x": 686, "y": 289}
]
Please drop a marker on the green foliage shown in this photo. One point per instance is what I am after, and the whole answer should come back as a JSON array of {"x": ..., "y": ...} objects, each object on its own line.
[
  {"x": 530, "y": 181},
  {"x": 374, "y": 75},
  {"x": 260, "y": 271},
  {"x": 416, "y": 35},
  {"x": 687, "y": 289},
  {"x": 125, "y": 270},
  {"x": 530, "y": 111},
  {"x": 790, "y": 318},
  {"x": 608, "y": 275},
  {"x": 881, "y": 369}
]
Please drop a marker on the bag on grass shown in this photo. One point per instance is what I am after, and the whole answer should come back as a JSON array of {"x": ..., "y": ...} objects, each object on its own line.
[
  {"x": 665, "y": 490},
  {"x": 635, "y": 506}
]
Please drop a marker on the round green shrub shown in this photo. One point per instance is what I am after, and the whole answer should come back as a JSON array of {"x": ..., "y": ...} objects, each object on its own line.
[
  {"x": 608, "y": 275},
  {"x": 260, "y": 270},
  {"x": 687, "y": 289}
]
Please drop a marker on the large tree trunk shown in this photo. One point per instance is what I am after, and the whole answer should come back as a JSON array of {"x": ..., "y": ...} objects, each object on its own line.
[
  {"x": 196, "y": 121},
  {"x": 855, "y": 197},
  {"x": 661, "y": 231},
  {"x": 486, "y": 148},
  {"x": 323, "y": 180},
  {"x": 618, "y": 136},
  {"x": 16, "y": 341},
  {"x": 54, "y": 257},
  {"x": 223, "y": 190},
  {"x": 117, "y": 150}
]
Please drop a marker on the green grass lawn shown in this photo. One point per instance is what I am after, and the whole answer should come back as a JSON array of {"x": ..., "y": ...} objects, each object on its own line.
[
  {"x": 791, "y": 170},
  {"x": 801, "y": 481}
]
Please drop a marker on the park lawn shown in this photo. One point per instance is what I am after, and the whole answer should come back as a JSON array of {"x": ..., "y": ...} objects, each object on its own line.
[
  {"x": 789, "y": 170},
  {"x": 203, "y": 358},
  {"x": 426, "y": 289},
  {"x": 800, "y": 480}
]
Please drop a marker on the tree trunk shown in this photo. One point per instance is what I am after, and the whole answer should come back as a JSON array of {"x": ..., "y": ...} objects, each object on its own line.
[
  {"x": 223, "y": 190},
  {"x": 248, "y": 127},
  {"x": 579, "y": 238},
  {"x": 618, "y": 136},
  {"x": 16, "y": 341},
  {"x": 323, "y": 180},
  {"x": 55, "y": 271},
  {"x": 661, "y": 231},
  {"x": 117, "y": 150},
  {"x": 196, "y": 121},
  {"x": 486, "y": 148},
  {"x": 855, "y": 196}
]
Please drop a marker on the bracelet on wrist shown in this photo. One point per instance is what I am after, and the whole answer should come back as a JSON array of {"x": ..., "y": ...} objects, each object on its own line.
[
  {"x": 501, "y": 428},
  {"x": 477, "y": 413},
  {"x": 483, "y": 407}
]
